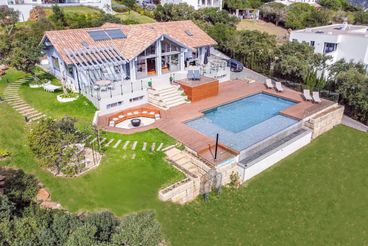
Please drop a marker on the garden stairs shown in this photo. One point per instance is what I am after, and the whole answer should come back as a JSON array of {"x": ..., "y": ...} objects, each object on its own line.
[
  {"x": 190, "y": 187},
  {"x": 168, "y": 97},
  {"x": 16, "y": 102}
]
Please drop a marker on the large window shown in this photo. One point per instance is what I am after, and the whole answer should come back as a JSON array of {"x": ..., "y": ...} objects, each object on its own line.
[
  {"x": 170, "y": 63},
  {"x": 55, "y": 63},
  {"x": 329, "y": 47}
]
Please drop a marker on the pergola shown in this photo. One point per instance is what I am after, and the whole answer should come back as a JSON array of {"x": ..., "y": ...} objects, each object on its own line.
[{"x": 102, "y": 63}]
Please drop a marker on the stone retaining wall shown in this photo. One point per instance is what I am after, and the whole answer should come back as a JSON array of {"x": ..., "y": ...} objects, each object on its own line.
[
  {"x": 181, "y": 192},
  {"x": 326, "y": 120}
]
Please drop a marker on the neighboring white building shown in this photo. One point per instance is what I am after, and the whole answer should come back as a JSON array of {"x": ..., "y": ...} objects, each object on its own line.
[
  {"x": 288, "y": 2},
  {"x": 25, "y": 6},
  {"x": 340, "y": 41},
  {"x": 197, "y": 4}
]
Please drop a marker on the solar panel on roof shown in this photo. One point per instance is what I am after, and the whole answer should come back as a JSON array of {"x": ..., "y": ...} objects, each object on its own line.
[
  {"x": 98, "y": 35},
  {"x": 115, "y": 33}
]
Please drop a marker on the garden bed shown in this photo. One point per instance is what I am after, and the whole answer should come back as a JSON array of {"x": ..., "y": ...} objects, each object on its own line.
[{"x": 70, "y": 97}]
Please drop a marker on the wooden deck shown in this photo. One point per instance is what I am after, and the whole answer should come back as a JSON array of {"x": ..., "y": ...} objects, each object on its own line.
[{"x": 173, "y": 120}]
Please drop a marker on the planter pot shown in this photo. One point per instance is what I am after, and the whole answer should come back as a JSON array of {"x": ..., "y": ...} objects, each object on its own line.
[
  {"x": 65, "y": 100},
  {"x": 34, "y": 86}
]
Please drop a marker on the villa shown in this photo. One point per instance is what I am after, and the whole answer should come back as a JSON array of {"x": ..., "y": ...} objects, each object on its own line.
[
  {"x": 169, "y": 76},
  {"x": 115, "y": 66},
  {"x": 25, "y": 6},
  {"x": 340, "y": 41}
]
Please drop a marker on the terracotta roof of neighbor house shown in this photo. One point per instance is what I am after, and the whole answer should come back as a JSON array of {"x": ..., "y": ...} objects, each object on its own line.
[{"x": 139, "y": 37}]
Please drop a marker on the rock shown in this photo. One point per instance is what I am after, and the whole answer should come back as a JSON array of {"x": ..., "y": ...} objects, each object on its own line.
[{"x": 43, "y": 195}]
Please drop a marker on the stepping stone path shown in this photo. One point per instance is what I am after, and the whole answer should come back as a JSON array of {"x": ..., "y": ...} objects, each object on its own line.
[
  {"x": 93, "y": 140},
  {"x": 153, "y": 147},
  {"x": 126, "y": 144},
  {"x": 124, "y": 156},
  {"x": 103, "y": 140},
  {"x": 134, "y": 145},
  {"x": 144, "y": 146},
  {"x": 117, "y": 144},
  {"x": 16, "y": 102},
  {"x": 160, "y": 146},
  {"x": 133, "y": 156},
  {"x": 108, "y": 143}
]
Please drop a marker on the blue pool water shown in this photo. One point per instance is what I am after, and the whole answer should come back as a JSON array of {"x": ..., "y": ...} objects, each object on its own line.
[{"x": 246, "y": 121}]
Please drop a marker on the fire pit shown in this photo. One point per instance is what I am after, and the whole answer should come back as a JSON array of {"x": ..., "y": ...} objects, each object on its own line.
[{"x": 135, "y": 122}]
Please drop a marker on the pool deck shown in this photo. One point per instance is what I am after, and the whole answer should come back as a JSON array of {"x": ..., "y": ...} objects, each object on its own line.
[{"x": 173, "y": 120}]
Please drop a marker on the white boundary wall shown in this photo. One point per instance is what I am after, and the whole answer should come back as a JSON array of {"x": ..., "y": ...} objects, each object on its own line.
[{"x": 262, "y": 163}]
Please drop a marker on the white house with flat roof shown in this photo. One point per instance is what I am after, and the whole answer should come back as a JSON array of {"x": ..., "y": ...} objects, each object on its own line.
[
  {"x": 340, "y": 41},
  {"x": 25, "y": 6},
  {"x": 289, "y": 2},
  {"x": 197, "y": 4}
]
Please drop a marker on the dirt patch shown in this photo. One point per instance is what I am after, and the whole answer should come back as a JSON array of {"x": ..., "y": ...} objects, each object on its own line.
[{"x": 281, "y": 34}]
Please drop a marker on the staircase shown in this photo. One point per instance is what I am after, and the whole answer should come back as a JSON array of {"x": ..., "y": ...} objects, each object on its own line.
[
  {"x": 186, "y": 162},
  {"x": 168, "y": 97},
  {"x": 17, "y": 103}
]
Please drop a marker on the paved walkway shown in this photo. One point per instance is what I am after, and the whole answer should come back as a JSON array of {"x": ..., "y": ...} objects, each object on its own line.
[
  {"x": 16, "y": 102},
  {"x": 347, "y": 121}
]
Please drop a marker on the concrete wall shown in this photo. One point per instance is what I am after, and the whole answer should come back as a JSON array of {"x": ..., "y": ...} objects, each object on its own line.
[
  {"x": 262, "y": 163},
  {"x": 325, "y": 121}
]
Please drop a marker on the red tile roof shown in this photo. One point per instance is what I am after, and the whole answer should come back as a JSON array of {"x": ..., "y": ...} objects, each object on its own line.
[{"x": 139, "y": 37}]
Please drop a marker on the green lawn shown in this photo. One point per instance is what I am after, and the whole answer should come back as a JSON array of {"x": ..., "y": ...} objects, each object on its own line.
[
  {"x": 121, "y": 185},
  {"x": 317, "y": 196},
  {"x": 75, "y": 10},
  {"x": 134, "y": 16}
]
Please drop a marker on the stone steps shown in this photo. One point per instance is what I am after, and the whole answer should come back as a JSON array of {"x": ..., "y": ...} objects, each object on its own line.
[
  {"x": 18, "y": 104},
  {"x": 167, "y": 98}
]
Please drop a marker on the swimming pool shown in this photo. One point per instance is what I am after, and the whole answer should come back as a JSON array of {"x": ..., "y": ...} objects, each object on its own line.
[{"x": 246, "y": 121}]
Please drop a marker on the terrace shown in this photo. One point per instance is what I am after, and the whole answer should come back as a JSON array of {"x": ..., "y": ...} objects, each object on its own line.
[{"x": 173, "y": 121}]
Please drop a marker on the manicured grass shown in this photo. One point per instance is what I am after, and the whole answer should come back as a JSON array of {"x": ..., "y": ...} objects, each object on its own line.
[
  {"x": 268, "y": 27},
  {"x": 75, "y": 10},
  {"x": 46, "y": 102},
  {"x": 121, "y": 185},
  {"x": 317, "y": 196},
  {"x": 134, "y": 16}
]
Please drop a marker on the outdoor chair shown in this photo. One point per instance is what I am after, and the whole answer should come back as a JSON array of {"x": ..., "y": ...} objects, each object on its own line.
[
  {"x": 196, "y": 75},
  {"x": 269, "y": 84},
  {"x": 279, "y": 87},
  {"x": 316, "y": 97},
  {"x": 190, "y": 75},
  {"x": 307, "y": 95}
]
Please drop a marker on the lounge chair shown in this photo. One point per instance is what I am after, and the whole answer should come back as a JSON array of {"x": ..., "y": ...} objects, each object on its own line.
[
  {"x": 196, "y": 75},
  {"x": 316, "y": 97},
  {"x": 190, "y": 75},
  {"x": 279, "y": 87},
  {"x": 307, "y": 95},
  {"x": 269, "y": 84}
]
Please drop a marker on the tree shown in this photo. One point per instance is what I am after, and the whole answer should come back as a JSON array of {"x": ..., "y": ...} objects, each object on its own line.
[
  {"x": 295, "y": 60},
  {"x": 254, "y": 49},
  {"x": 242, "y": 4},
  {"x": 130, "y": 4},
  {"x": 173, "y": 12},
  {"x": 82, "y": 236},
  {"x": 298, "y": 15},
  {"x": 334, "y": 4},
  {"x": 105, "y": 224},
  {"x": 52, "y": 142},
  {"x": 138, "y": 229},
  {"x": 274, "y": 12},
  {"x": 58, "y": 16},
  {"x": 8, "y": 18}
]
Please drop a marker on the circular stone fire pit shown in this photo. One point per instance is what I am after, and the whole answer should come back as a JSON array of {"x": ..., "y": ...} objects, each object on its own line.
[{"x": 136, "y": 122}]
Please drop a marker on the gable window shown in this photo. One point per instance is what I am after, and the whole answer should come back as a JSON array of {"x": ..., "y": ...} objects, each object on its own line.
[
  {"x": 55, "y": 63},
  {"x": 329, "y": 47}
]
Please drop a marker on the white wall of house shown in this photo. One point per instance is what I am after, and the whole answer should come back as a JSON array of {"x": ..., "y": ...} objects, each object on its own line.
[{"x": 349, "y": 46}]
